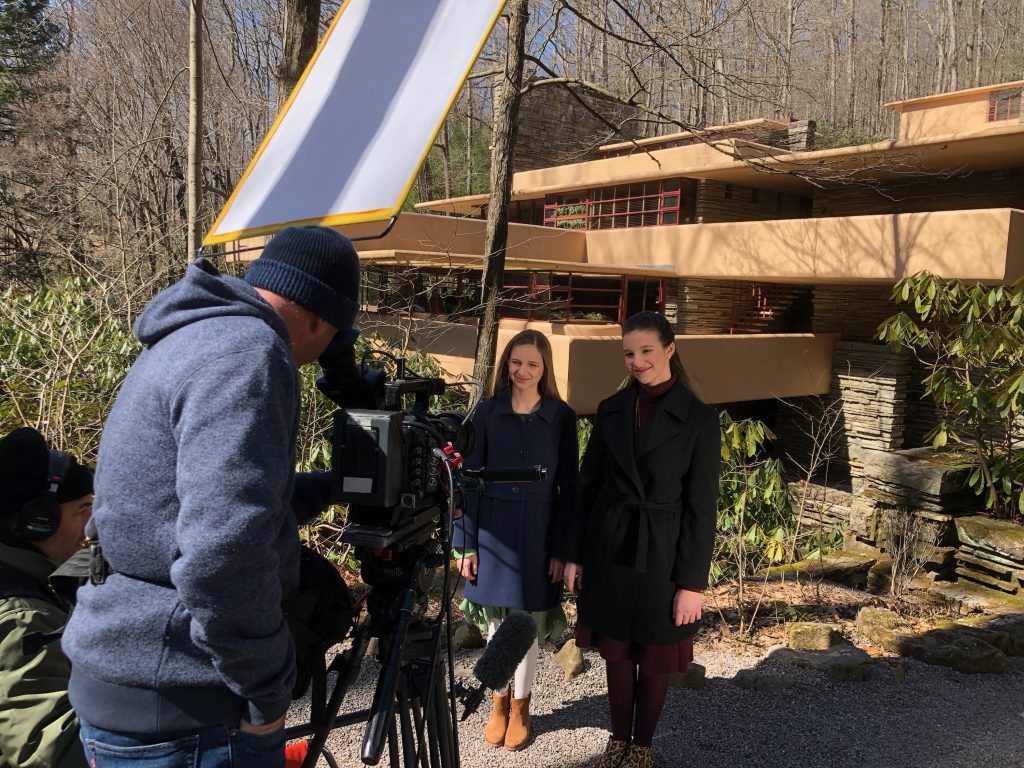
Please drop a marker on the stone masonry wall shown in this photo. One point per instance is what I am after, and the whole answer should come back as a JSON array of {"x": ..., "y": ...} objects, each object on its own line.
[{"x": 554, "y": 128}]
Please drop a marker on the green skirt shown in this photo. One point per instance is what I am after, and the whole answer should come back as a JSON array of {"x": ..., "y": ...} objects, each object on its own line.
[{"x": 550, "y": 623}]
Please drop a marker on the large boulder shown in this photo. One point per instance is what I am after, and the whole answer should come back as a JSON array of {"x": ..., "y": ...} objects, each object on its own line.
[
  {"x": 812, "y": 636},
  {"x": 878, "y": 626},
  {"x": 570, "y": 659},
  {"x": 693, "y": 678},
  {"x": 1013, "y": 628},
  {"x": 994, "y": 637},
  {"x": 467, "y": 636},
  {"x": 948, "y": 648}
]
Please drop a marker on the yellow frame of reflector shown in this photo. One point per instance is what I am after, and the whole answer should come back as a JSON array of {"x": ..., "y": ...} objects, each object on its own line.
[{"x": 338, "y": 219}]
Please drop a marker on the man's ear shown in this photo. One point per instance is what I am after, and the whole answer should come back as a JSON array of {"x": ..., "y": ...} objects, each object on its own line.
[{"x": 316, "y": 323}]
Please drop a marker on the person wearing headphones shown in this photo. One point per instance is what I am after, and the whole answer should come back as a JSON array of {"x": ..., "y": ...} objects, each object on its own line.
[{"x": 45, "y": 502}]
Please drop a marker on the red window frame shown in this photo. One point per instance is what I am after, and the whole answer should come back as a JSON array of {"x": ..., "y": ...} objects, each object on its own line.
[
  {"x": 654, "y": 203},
  {"x": 1004, "y": 105}
]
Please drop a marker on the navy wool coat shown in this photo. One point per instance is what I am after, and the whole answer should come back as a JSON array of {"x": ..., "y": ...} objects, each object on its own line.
[
  {"x": 644, "y": 520},
  {"x": 515, "y": 527}
]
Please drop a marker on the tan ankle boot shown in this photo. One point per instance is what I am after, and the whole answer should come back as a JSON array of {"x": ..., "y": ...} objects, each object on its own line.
[
  {"x": 494, "y": 731},
  {"x": 613, "y": 754},
  {"x": 518, "y": 724}
]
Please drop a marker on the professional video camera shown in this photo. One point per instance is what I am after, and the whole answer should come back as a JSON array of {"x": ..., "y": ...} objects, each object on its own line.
[{"x": 398, "y": 466}]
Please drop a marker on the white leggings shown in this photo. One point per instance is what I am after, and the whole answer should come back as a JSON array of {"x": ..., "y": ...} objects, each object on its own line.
[{"x": 522, "y": 681}]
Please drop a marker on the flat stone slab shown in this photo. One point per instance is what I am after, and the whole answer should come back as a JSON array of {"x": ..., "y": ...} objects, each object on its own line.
[
  {"x": 966, "y": 597},
  {"x": 753, "y": 680},
  {"x": 843, "y": 663},
  {"x": 996, "y": 535},
  {"x": 848, "y": 568}
]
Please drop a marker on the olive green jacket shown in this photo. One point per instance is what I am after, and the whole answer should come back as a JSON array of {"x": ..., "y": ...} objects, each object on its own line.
[{"x": 37, "y": 725}]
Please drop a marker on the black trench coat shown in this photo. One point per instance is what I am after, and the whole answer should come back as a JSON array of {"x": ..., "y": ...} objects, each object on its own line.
[{"x": 643, "y": 524}]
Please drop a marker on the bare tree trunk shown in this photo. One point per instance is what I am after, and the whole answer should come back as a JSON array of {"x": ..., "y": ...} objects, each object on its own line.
[
  {"x": 446, "y": 162},
  {"x": 195, "y": 128},
  {"x": 469, "y": 140},
  {"x": 851, "y": 63},
  {"x": 503, "y": 143},
  {"x": 880, "y": 83},
  {"x": 951, "y": 53},
  {"x": 301, "y": 28},
  {"x": 979, "y": 41}
]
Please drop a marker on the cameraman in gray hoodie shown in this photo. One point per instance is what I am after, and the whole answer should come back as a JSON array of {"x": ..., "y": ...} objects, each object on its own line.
[{"x": 183, "y": 649}]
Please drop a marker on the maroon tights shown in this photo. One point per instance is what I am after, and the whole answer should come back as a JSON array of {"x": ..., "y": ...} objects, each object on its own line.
[{"x": 632, "y": 691}]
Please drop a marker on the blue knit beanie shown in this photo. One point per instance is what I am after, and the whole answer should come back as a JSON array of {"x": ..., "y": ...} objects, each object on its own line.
[{"x": 316, "y": 267}]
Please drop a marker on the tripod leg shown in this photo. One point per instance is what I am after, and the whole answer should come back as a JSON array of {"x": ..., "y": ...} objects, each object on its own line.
[
  {"x": 346, "y": 677},
  {"x": 441, "y": 727},
  {"x": 408, "y": 742},
  {"x": 393, "y": 745}
]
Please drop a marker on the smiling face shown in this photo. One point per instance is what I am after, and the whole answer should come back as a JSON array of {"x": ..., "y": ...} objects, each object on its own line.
[
  {"x": 646, "y": 359},
  {"x": 525, "y": 368}
]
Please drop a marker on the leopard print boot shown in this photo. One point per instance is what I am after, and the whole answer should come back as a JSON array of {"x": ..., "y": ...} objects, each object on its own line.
[{"x": 613, "y": 754}]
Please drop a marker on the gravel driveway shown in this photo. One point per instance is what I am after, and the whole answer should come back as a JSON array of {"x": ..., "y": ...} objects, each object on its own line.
[{"x": 933, "y": 718}]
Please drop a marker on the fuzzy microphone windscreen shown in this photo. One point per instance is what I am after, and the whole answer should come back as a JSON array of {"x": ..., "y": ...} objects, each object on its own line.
[{"x": 505, "y": 650}]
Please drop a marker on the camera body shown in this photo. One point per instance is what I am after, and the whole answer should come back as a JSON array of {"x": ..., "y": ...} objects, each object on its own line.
[{"x": 380, "y": 464}]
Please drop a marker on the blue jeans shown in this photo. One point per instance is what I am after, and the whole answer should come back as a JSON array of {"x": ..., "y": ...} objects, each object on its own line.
[{"x": 213, "y": 747}]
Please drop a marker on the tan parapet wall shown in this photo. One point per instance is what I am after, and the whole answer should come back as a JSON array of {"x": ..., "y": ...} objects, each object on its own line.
[
  {"x": 589, "y": 366},
  {"x": 424, "y": 232},
  {"x": 950, "y": 114},
  {"x": 985, "y": 245},
  {"x": 964, "y": 115}
]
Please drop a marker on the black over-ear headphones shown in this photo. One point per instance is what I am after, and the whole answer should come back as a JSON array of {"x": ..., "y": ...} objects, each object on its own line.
[{"x": 39, "y": 518}]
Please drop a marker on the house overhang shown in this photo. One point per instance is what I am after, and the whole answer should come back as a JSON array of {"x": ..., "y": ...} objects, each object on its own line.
[
  {"x": 984, "y": 245},
  {"x": 756, "y": 165}
]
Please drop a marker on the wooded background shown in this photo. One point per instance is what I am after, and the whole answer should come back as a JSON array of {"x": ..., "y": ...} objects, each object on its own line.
[{"x": 94, "y": 99}]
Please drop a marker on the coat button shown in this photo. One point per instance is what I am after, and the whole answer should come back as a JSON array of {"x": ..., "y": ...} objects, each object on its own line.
[
  {"x": 522, "y": 454},
  {"x": 515, "y": 489}
]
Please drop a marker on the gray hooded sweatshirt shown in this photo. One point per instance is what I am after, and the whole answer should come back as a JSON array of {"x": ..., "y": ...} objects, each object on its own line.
[{"x": 194, "y": 497}]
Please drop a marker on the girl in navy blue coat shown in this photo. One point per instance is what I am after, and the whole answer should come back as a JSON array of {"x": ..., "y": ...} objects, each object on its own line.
[{"x": 510, "y": 533}]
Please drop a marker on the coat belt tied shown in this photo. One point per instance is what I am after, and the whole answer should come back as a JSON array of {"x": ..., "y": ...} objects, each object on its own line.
[{"x": 628, "y": 527}]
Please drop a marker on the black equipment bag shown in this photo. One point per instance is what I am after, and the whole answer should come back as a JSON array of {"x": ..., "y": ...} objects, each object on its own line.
[{"x": 320, "y": 614}]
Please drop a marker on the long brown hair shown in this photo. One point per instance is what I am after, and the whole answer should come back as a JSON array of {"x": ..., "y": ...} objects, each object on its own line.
[
  {"x": 654, "y": 321},
  {"x": 547, "y": 386}
]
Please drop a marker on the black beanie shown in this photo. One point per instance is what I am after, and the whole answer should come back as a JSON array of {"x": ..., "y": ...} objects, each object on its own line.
[
  {"x": 316, "y": 267},
  {"x": 24, "y": 465}
]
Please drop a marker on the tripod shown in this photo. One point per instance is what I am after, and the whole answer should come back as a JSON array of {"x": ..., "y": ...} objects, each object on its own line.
[{"x": 410, "y": 709}]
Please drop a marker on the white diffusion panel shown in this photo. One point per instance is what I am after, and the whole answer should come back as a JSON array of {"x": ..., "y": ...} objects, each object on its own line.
[{"x": 352, "y": 136}]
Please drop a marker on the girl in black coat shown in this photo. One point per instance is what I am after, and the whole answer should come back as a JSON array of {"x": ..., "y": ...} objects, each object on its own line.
[
  {"x": 509, "y": 532},
  {"x": 642, "y": 534}
]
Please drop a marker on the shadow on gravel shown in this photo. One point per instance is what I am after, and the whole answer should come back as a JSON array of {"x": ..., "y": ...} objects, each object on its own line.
[{"x": 929, "y": 717}]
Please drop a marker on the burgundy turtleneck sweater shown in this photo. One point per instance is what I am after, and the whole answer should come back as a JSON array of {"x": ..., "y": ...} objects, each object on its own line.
[{"x": 647, "y": 398}]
